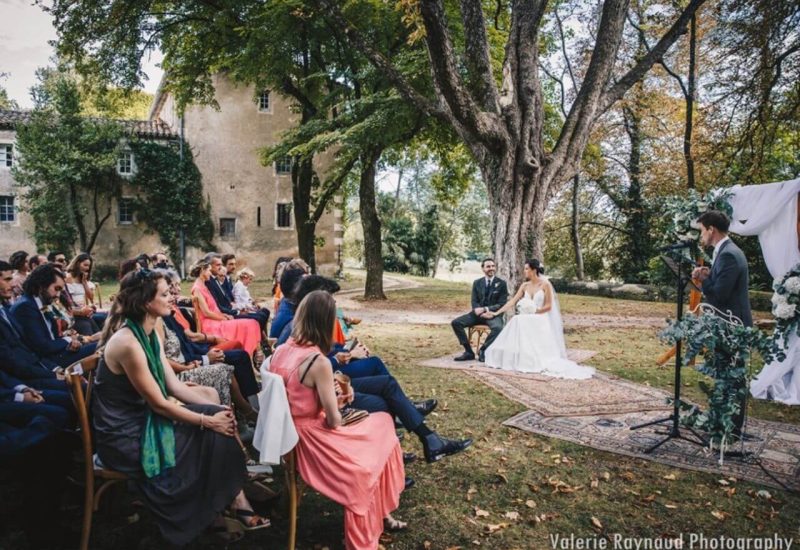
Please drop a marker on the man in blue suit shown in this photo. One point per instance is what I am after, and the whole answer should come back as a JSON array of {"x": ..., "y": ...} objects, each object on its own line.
[
  {"x": 33, "y": 314},
  {"x": 223, "y": 292},
  {"x": 725, "y": 286}
]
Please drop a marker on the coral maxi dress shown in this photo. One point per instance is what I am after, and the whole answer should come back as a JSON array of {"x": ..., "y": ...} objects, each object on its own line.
[
  {"x": 359, "y": 466},
  {"x": 245, "y": 331}
]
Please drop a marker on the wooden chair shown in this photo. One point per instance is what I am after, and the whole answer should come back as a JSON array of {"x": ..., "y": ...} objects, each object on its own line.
[
  {"x": 293, "y": 490},
  {"x": 479, "y": 334},
  {"x": 91, "y": 500}
]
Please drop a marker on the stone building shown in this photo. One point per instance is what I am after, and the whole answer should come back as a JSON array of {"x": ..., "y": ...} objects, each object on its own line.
[{"x": 251, "y": 204}]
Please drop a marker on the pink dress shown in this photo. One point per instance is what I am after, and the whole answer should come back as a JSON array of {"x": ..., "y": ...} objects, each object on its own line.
[
  {"x": 359, "y": 466},
  {"x": 245, "y": 331}
]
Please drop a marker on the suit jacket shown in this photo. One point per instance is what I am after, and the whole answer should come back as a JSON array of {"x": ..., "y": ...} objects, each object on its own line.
[
  {"x": 726, "y": 286},
  {"x": 191, "y": 351},
  {"x": 35, "y": 330},
  {"x": 222, "y": 296},
  {"x": 494, "y": 299},
  {"x": 16, "y": 358}
]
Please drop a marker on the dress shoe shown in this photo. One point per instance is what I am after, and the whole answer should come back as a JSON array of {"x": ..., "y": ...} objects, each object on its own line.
[
  {"x": 408, "y": 458},
  {"x": 466, "y": 356},
  {"x": 409, "y": 483},
  {"x": 425, "y": 407},
  {"x": 482, "y": 357},
  {"x": 437, "y": 447}
]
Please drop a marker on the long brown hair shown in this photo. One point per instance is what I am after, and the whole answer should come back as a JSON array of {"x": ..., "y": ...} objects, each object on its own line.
[
  {"x": 313, "y": 322},
  {"x": 136, "y": 290},
  {"x": 74, "y": 267}
]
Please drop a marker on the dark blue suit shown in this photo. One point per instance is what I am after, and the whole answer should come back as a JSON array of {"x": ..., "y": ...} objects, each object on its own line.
[
  {"x": 40, "y": 335},
  {"x": 242, "y": 366},
  {"x": 16, "y": 358},
  {"x": 223, "y": 295}
]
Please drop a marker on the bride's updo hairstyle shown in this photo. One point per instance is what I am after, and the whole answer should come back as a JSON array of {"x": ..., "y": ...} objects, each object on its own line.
[{"x": 535, "y": 265}]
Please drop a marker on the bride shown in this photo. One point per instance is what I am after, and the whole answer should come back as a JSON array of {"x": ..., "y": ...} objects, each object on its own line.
[{"x": 533, "y": 341}]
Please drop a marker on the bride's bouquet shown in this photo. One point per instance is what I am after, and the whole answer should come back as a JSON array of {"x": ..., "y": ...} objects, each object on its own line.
[{"x": 785, "y": 302}]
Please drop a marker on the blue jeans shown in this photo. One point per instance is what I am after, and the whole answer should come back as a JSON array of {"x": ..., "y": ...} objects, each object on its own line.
[{"x": 384, "y": 394}]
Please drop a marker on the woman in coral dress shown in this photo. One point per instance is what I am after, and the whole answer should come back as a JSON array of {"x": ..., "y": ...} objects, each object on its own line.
[
  {"x": 212, "y": 321},
  {"x": 360, "y": 466}
]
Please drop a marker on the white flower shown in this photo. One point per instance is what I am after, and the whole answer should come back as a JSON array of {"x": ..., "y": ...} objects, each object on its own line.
[
  {"x": 776, "y": 284},
  {"x": 702, "y": 206},
  {"x": 785, "y": 311},
  {"x": 779, "y": 300},
  {"x": 792, "y": 284}
]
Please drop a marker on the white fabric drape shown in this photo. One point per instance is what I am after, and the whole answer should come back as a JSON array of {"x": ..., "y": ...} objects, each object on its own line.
[
  {"x": 275, "y": 433},
  {"x": 770, "y": 211}
]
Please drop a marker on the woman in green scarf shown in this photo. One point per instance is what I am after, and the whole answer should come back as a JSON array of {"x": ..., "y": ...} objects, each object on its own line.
[{"x": 184, "y": 458}]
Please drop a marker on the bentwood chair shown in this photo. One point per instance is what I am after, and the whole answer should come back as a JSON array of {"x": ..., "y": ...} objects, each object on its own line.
[{"x": 92, "y": 471}]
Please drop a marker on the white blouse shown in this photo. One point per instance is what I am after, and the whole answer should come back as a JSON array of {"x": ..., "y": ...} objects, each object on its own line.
[{"x": 241, "y": 296}]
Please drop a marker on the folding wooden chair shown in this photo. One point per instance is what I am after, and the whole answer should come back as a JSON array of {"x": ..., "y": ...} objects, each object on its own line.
[
  {"x": 478, "y": 333},
  {"x": 294, "y": 490},
  {"x": 91, "y": 500}
]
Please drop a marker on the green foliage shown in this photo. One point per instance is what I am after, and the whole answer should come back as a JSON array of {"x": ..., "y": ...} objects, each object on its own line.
[
  {"x": 170, "y": 195},
  {"x": 5, "y": 101},
  {"x": 726, "y": 349},
  {"x": 66, "y": 166}
]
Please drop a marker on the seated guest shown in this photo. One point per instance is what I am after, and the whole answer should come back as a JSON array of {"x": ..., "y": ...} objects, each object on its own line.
[
  {"x": 360, "y": 466},
  {"x": 127, "y": 266},
  {"x": 35, "y": 261},
  {"x": 34, "y": 315},
  {"x": 84, "y": 293},
  {"x": 221, "y": 288},
  {"x": 16, "y": 358},
  {"x": 160, "y": 261},
  {"x": 213, "y": 321},
  {"x": 277, "y": 271},
  {"x": 18, "y": 261},
  {"x": 58, "y": 259},
  {"x": 53, "y": 404},
  {"x": 210, "y": 350},
  {"x": 241, "y": 294},
  {"x": 183, "y": 458},
  {"x": 285, "y": 312}
]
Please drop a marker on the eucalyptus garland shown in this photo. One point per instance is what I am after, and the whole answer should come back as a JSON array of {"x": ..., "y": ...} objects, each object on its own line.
[
  {"x": 786, "y": 309},
  {"x": 683, "y": 211},
  {"x": 726, "y": 350}
]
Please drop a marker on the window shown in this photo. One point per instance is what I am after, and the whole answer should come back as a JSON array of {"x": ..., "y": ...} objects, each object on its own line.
[
  {"x": 263, "y": 101},
  {"x": 125, "y": 163},
  {"x": 283, "y": 217},
  {"x": 283, "y": 165},
  {"x": 125, "y": 213},
  {"x": 7, "y": 211},
  {"x": 6, "y": 155},
  {"x": 227, "y": 228}
]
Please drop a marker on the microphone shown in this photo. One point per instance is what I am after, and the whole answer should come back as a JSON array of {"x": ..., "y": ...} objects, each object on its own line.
[{"x": 676, "y": 246}]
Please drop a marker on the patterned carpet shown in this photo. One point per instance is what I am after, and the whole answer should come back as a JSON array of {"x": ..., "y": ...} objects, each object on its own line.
[
  {"x": 599, "y": 413},
  {"x": 776, "y": 446},
  {"x": 602, "y": 394}
]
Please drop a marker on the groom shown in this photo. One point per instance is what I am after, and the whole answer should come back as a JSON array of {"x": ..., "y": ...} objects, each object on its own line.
[{"x": 489, "y": 293}]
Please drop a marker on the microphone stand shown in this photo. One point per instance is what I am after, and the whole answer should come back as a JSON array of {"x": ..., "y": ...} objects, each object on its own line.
[{"x": 675, "y": 431}]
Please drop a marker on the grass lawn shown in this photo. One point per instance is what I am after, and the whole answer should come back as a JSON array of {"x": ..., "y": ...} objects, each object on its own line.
[{"x": 514, "y": 489}]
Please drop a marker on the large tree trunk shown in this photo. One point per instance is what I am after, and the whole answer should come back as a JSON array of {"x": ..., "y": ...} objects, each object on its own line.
[
  {"x": 687, "y": 138},
  {"x": 305, "y": 224},
  {"x": 373, "y": 256}
]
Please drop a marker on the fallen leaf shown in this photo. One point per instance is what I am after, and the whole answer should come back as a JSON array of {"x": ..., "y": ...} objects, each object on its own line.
[
  {"x": 723, "y": 482},
  {"x": 671, "y": 477},
  {"x": 606, "y": 476},
  {"x": 719, "y": 515},
  {"x": 649, "y": 498},
  {"x": 493, "y": 528},
  {"x": 764, "y": 494},
  {"x": 427, "y": 545},
  {"x": 481, "y": 513},
  {"x": 512, "y": 515},
  {"x": 502, "y": 477},
  {"x": 530, "y": 504},
  {"x": 596, "y": 522},
  {"x": 595, "y": 483},
  {"x": 471, "y": 491},
  {"x": 671, "y": 506}
]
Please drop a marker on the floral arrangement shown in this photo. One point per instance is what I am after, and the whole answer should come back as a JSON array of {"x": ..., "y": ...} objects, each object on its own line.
[
  {"x": 786, "y": 308},
  {"x": 683, "y": 212},
  {"x": 726, "y": 349}
]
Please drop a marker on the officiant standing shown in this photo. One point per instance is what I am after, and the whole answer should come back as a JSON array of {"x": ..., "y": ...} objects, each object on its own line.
[
  {"x": 725, "y": 284},
  {"x": 489, "y": 293}
]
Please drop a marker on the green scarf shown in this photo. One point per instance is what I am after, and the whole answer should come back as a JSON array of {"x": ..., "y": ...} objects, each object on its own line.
[{"x": 158, "y": 435}]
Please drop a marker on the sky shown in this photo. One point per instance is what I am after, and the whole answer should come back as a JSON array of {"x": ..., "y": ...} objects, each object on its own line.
[{"x": 25, "y": 31}]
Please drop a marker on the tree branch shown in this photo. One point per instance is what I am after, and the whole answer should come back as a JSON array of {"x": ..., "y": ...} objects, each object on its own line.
[
  {"x": 477, "y": 55},
  {"x": 615, "y": 92},
  {"x": 381, "y": 63}
]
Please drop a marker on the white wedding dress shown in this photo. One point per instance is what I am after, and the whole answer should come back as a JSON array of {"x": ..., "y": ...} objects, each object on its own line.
[{"x": 534, "y": 342}]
